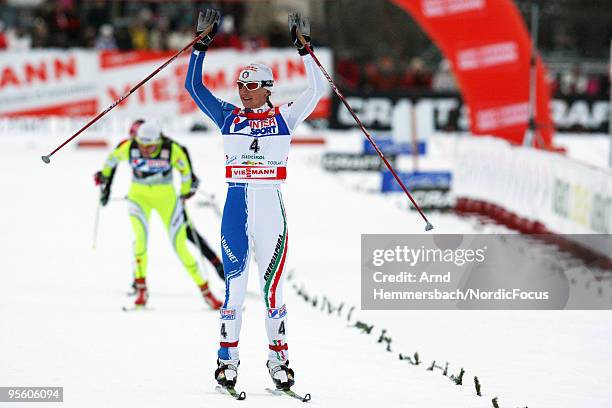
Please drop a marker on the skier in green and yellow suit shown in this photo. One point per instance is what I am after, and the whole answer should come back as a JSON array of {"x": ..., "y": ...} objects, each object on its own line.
[{"x": 152, "y": 158}]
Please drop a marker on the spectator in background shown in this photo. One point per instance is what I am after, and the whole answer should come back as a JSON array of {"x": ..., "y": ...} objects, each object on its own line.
[
  {"x": 46, "y": 14},
  {"x": 62, "y": 23},
  {"x": 348, "y": 72},
  {"x": 98, "y": 14},
  {"x": 252, "y": 44},
  {"x": 227, "y": 37},
  {"x": 67, "y": 25},
  {"x": 140, "y": 36},
  {"x": 106, "y": 38},
  {"x": 417, "y": 75},
  {"x": 180, "y": 38},
  {"x": 553, "y": 80},
  {"x": 382, "y": 75},
  {"x": 443, "y": 79},
  {"x": 8, "y": 14},
  {"x": 40, "y": 33},
  {"x": 123, "y": 37},
  {"x": 574, "y": 82},
  {"x": 139, "y": 32},
  {"x": 89, "y": 37},
  {"x": 593, "y": 88},
  {"x": 159, "y": 35}
]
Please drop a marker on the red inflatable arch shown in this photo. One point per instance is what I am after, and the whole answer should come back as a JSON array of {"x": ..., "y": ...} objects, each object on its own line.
[{"x": 488, "y": 45}]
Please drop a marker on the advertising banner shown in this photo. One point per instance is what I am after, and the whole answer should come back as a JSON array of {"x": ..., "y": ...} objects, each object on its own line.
[
  {"x": 417, "y": 180},
  {"x": 340, "y": 161},
  {"x": 431, "y": 189},
  {"x": 44, "y": 83},
  {"x": 83, "y": 82},
  {"x": 439, "y": 112}
]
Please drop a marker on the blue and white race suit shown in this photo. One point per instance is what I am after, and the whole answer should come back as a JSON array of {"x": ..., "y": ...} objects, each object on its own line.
[{"x": 256, "y": 144}]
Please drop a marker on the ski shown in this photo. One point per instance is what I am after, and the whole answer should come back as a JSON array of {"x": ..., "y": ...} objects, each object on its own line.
[
  {"x": 134, "y": 308},
  {"x": 238, "y": 395},
  {"x": 289, "y": 393}
]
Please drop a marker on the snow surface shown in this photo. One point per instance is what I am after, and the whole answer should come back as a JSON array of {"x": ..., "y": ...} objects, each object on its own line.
[{"x": 61, "y": 322}]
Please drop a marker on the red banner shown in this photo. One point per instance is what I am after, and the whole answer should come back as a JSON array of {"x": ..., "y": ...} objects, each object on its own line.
[{"x": 489, "y": 48}]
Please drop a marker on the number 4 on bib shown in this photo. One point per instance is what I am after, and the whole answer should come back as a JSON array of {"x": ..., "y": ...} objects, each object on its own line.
[{"x": 255, "y": 145}]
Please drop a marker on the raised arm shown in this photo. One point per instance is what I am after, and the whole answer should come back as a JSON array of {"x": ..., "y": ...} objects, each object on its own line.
[
  {"x": 214, "y": 108},
  {"x": 295, "y": 112}
]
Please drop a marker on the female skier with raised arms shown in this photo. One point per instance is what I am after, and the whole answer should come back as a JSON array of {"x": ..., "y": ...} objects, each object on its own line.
[{"x": 256, "y": 140}]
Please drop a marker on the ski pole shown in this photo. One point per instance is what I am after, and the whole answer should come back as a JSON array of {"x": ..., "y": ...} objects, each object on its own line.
[
  {"x": 193, "y": 234},
  {"x": 210, "y": 202},
  {"x": 196, "y": 241},
  {"x": 124, "y": 198},
  {"x": 428, "y": 225},
  {"x": 95, "y": 234},
  {"x": 47, "y": 158}
]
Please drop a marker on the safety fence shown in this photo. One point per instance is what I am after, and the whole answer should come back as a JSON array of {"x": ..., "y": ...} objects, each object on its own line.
[{"x": 534, "y": 191}]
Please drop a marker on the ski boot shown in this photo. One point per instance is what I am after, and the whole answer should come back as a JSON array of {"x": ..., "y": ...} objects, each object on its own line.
[
  {"x": 209, "y": 298},
  {"x": 142, "y": 294},
  {"x": 281, "y": 374},
  {"x": 226, "y": 373}
]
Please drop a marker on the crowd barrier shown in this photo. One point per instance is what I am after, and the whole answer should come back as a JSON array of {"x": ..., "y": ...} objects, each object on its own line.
[{"x": 533, "y": 191}]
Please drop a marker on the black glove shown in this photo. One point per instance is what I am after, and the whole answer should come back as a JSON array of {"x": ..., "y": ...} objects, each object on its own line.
[
  {"x": 99, "y": 179},
  {"x": 299, "y": 24},
  {"x": 105, "y": 187},
  {"x": 207, "y": 20}
]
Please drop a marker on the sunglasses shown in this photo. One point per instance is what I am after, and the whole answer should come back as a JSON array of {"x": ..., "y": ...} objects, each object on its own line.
[
  {"x": 147, "y": 146},
  {"x": 251, "y": 86}
]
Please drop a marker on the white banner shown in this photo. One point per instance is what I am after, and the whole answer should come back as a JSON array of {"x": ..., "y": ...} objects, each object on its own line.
[
  {"x": 84, "y": 82},
  {"x": 36, "y": 83},
  {"x": 566, "y": 196}
]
